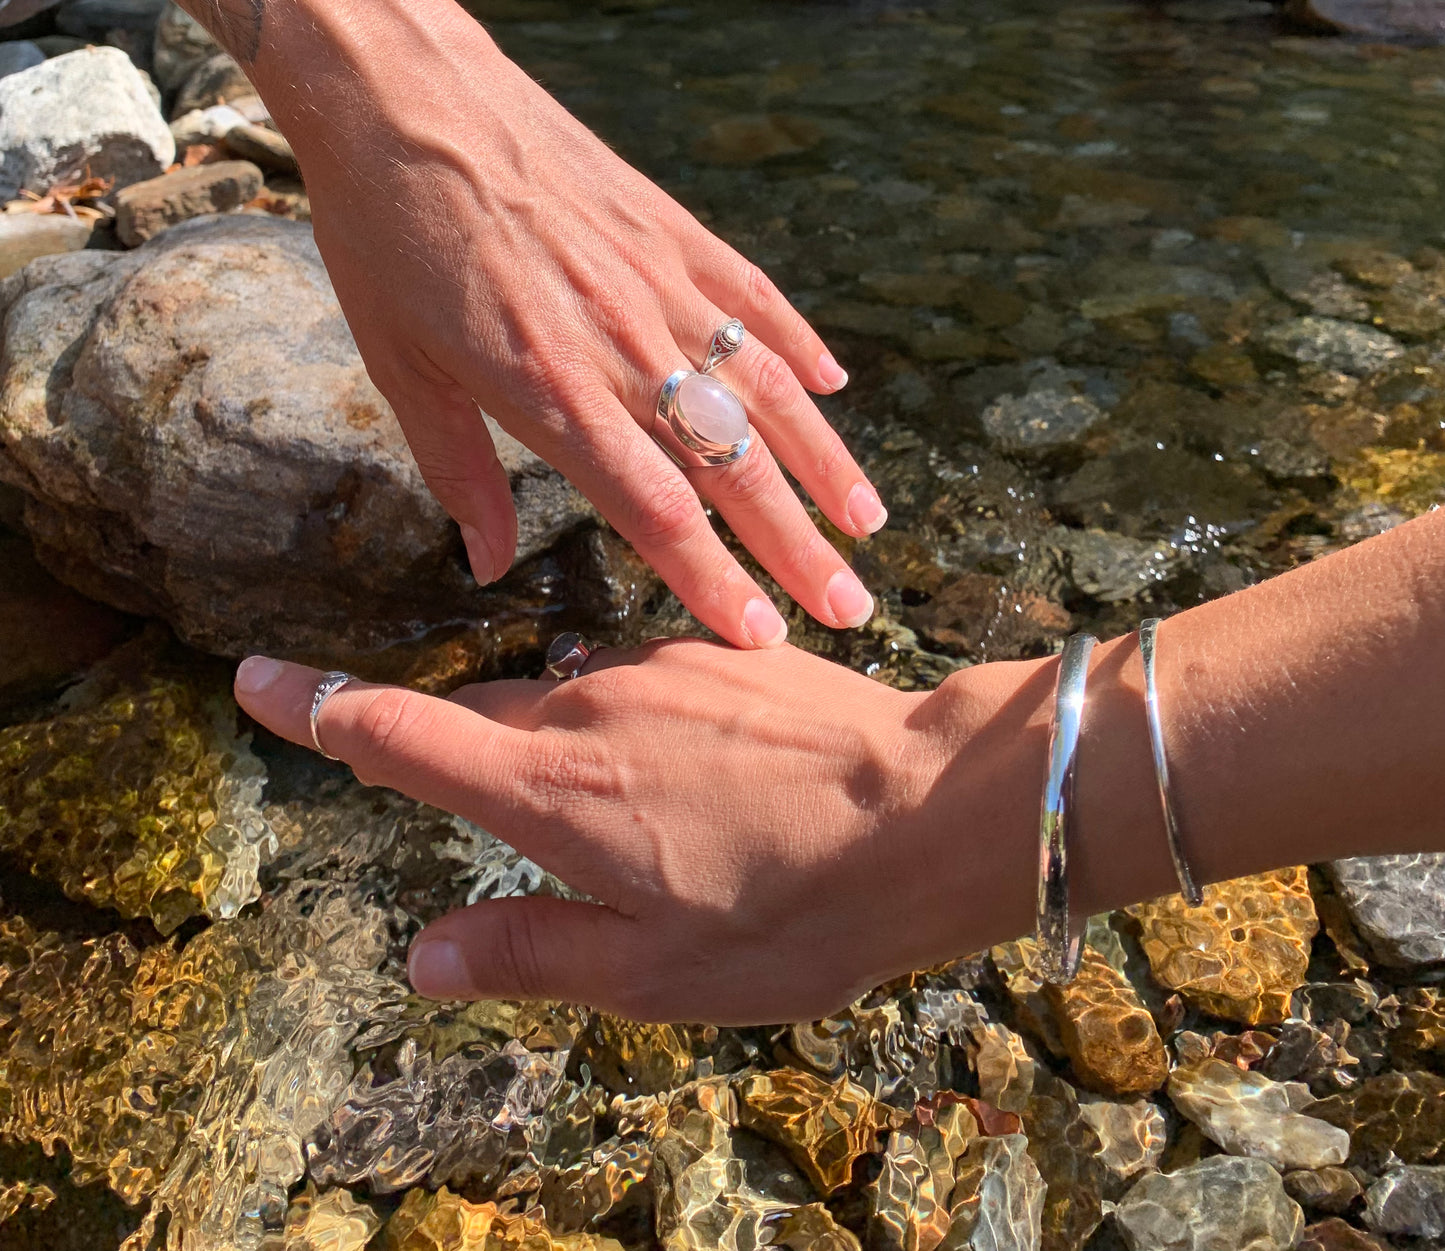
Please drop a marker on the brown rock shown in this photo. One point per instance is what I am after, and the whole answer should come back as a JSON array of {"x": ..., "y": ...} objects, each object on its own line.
[
  {"x": 48, "y": 633},
  {"x": 267, "y": 148},
  {"x": 1240, "y": 955},
  {"x": 824, "y": 1127},
  {"x": 1069, "y": 1156},
  {"x": 442, "y": 1221},
  {"x": 747, "y": 140},
  {"x": 978, "y": 614},
  {"x": 1337, "y": 1235},
  {"x": 1402, "y": 1113},
  {"x": 25, "y": 236},
  {"x": 1328, "y": 1189},
  {"x": 1108, "y": 1032},
  {"x": 1421, "y": 1032},
  {"x": 144, "y": 209},
  {"x": 630, "y": 1058}
]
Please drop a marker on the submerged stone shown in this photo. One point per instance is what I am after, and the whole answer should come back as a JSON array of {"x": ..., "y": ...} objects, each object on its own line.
[
  {"x": 443, "y": 1221},
  {"x": 1336, "y": 345},
  {"x": 1397, "y": 904},
  {"x": 1133, "y": 1135},
  {"x": 1221, "y": 1202},
  {"x": 1242, "y": 953},
  {"x": 1248, "y": 1114},
  {"x": 1068, "y": 1153},
  {"x": 1409, "y": 1200},
  {"x": 332, "y": 1220},
  {"x": 824, "y": 1128},
  {"x": 1393, "y": 1113},
  {"x": 1327, "y": 1189},
  {"x": 998, "y": 1198}
]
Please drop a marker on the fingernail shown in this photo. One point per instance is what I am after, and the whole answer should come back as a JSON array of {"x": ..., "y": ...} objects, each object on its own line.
[
  {"x": 763, "y": 623},
  {"x": 834, "y": 376},
  {"x": 849, "y": 599},
  {"x": 256, "y": 673},
  {"x": 865, "y": 509},
  {"x": 437, "y": 969},
  {"x": 479, "y": 555}
]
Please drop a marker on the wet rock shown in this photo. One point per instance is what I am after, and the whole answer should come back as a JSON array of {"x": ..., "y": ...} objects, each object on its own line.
[
  {"x": 1419, "y": 1038},
  {"x": 1353, "y": 1002},
  {"x": 86, "y": 111},
  {"x": 1112, "y": 567},
  {"x": 216, "y": 80},
  {"x": 443, "y": 1221},
  {"x": 1397, "y": 905},
  {"x": 1415, "y": 20},
  {"x": 1408, "y": 1200},
  {"x": 25, "y": 236},
  {"x": 747, "y": 140},
  {"x": 824, "y": 1128},
  {"x": 982, "y": 617},
  {"x": 1327, "y": 1189},
  {"x": 190, "y": 454},
  {"x": 909, "y": 1200},
  {"x": 13, "y": 12},
  {"x": 1336, "y": 1235},
  {"x": 1317, "y": 1057},
  {"x": 264, "y": 146},
  {"x": 1323, "y": 291},
  {"x": 1069, "y": 1157},
  {"x": 329, "y": 1221},
  {"x": 632, "y": 1059},
  {"x": 17, "y": 55},
  {"x": 1133, "y": 1134},
  {"x": 998, "y": 1198},
  {"x": 1005, "y": 1068},
  {"x": 1220, "y": 1202},
  {"x": 1332, "y": 344},
  {"x": 1399, "y": 1113},
  {"x": 1248, "y": 1114},
  {"x": 1242, "y": 953},
  {"x": 144, "y": 209},
  {"x": 181, "y": 45}
]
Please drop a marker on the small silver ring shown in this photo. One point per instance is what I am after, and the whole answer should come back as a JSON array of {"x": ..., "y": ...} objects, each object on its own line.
[
  {"x": 676, "y": 436},
  {"x": 1060, "y": 950},
  {"x": 328, "y": 686},
  {"x": 568, "y": 655},
  {"x": 727, "y": 341}
]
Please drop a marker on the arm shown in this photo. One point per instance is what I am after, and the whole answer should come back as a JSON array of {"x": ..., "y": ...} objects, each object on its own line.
[
  {"x": 808, "y": 833},
  {"x": 487, "y": 249}
]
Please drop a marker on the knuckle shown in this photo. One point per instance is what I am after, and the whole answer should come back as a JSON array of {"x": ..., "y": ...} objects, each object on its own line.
[
  {"x": 670, "y": 517},
  {"x": 749, "y": 479},
  {"x": 774, "y": 381},
  {"x": 387, "y": 719},
  {"x": 515, "y": 954},
  {"x": 832, "y": 459},
  {"x": 758, "y": 288}
]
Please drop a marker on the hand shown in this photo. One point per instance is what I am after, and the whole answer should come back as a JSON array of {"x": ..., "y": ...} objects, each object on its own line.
[
  {"x": 488, "y": 250},
  {"x": 766, "y": 834}
]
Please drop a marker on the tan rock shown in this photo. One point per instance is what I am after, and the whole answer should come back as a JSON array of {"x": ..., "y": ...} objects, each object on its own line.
[
  {"x": 1220, "y": 1202},
  {"x": 1328, "y": 1189},
  {"x": 443, "y": 1221},
  {"x": 1399, "y": 1113},
  {"x": 824, "y": 1127},
  {"x": 1108, "y": 1032},
  {"x": 1248, "y": 1114},
  {"x": 1069, "y": 1157},
  {"x": 1133, "y": 1133},
  {"x": 332, "y": 1220},
  {"x": 266, "y": 147},
  {"x": 25, "y": 236},
  {"x": 144, "y": 209},
  {"x": 1337, "y": 1235},
  {"x": 998, "y": 1198},
  {"x": 1242, "y": 953}
]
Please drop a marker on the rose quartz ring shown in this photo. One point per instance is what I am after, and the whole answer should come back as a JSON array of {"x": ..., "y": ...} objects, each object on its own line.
[{"x": 699, "y": 419}]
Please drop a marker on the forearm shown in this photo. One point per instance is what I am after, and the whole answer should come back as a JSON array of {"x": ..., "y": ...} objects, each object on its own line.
[{"x": 1302, "y": 723}]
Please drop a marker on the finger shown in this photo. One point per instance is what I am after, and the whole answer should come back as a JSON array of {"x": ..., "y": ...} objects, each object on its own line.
[
  {"x": 765, "y": 514},
  {"x": 458, "y": 459},
  {"x": 431, "y": 749},
  {"x": 799, "y": 434},
  {"x": 537, "y": 948},
  {"x": 634, "y": 484},
  {"x": 731, "y": 281}
]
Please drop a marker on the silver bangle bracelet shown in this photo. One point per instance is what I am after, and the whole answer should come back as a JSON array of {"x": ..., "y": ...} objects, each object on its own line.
[
  {"x": 1059, "y": 950},
  {"x": 1148, "y": 633}
]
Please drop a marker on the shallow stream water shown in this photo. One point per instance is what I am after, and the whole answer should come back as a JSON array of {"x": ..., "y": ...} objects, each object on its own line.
[{"x": 1141, "y": 303}]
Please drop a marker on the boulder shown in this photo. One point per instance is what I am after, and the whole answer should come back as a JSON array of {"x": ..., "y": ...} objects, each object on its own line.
[
  {"x": 198, "y": 440},
  {"x": 144, "y": 209},
  {"x": 19, "y": 54},
  {"x": 87, "y": 111},
  {"x": 25, "y": 236},
  {"x": 181, "y": 44}
]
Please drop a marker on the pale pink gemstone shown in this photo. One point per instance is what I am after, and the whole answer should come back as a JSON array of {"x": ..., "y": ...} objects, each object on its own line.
[{"x": 714, "y": 412}]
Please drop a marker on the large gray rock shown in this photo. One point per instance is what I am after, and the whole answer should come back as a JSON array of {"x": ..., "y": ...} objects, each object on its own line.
[
  {"x": 199, "y": 440},
  {"x": 1408, "y": 1200},
  {"x": 87, "y": 110},
  {"x": 1341, "y": 346},
  {"x": 182, "y": 43},
  {"x": 1397, "y": 904},
  {"x": 1222, "y": 1202}
]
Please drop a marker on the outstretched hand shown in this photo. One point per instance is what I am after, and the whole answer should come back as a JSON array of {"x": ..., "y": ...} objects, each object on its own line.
[
  {"x": 765, "y": 834},
  {"x": 488, "y": 249}
]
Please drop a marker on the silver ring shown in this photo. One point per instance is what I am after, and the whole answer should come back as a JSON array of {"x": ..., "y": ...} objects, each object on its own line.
[
  {"x": 1060, "y": 951},
  {"x": 727, "y": 340},
  {"x": 678, "y": 437},
  {"x": 328, "y": 686},
  {"x": 568, "y": 656}
]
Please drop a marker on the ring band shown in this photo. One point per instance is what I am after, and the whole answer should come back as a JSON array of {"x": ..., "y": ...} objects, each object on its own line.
[
  {"x": 328, "y": 686},
  {"x": 727, "y": 340},
  {"x": 568, "y": 656},
  {"x": 1060, "y": 951}
]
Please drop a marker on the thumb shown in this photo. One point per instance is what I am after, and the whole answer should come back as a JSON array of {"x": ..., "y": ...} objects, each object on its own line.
[
  {"x": 457, "y": 457},
  {"x": 527, "y": 948}
]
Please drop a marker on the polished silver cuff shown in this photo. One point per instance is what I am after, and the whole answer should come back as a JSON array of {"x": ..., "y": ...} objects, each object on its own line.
[
  {"x": 1148, "y": 634},
  {"x": 1060, "y": 950}
]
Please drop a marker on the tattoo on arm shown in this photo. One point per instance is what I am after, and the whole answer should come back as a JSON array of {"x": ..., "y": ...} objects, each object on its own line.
[{"x": 235, "y": 23}]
